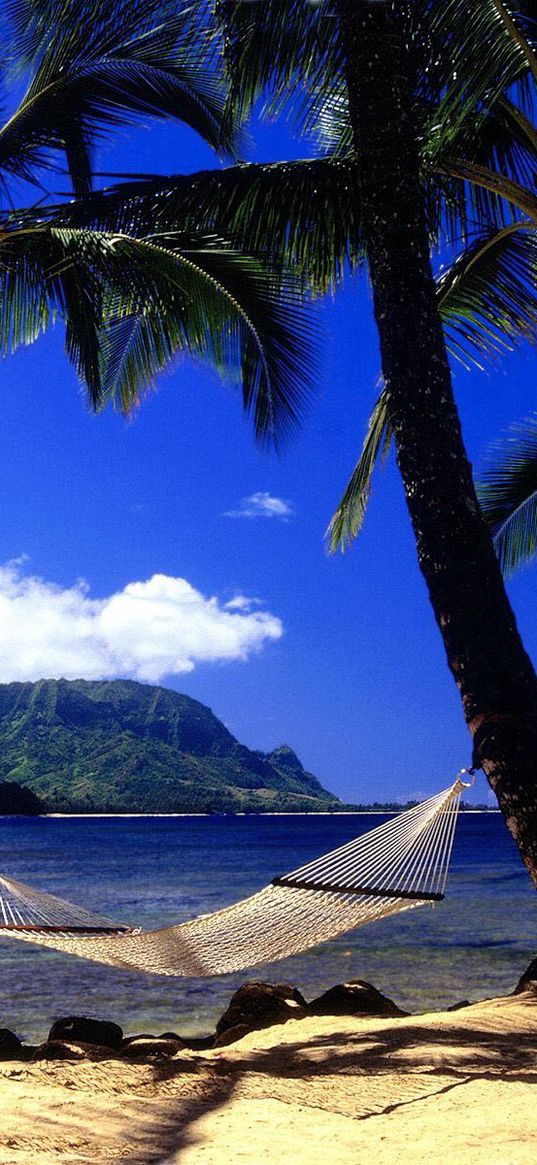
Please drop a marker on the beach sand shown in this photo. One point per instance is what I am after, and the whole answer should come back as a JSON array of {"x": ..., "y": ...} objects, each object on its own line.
[{"x": 316, "y": 1091}]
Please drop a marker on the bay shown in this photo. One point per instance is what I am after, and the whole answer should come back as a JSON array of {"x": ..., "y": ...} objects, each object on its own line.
[{"x": 154, "y": 871}]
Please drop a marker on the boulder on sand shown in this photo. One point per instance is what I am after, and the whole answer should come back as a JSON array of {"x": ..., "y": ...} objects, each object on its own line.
[
  {"x": 10, "y": 1046},
  {"x": 66, "y": 1050},
  {"x": 258, "y": 1005},
  {"x": 231, "y": 1035},
  {"x": 84, "y": 1030},
  {"x": 355, "y": 998}
]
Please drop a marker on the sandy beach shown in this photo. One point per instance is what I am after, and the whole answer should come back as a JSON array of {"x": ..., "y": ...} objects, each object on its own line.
[{"x": 334, "y": 1089}]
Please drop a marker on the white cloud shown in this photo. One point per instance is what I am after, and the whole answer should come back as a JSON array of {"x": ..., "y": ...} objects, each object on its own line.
[
  {"x": 262, "y": 505},
  {"x": 146, "y": 631},
  {"x": 242, "y": 603}
]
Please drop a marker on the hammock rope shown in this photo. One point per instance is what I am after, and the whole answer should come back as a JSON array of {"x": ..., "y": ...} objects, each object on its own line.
[{"x": 397, "y": 866}]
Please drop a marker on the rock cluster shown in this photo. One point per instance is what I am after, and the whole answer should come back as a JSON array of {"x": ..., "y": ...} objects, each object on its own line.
[{"x": 254, "y": 1006}]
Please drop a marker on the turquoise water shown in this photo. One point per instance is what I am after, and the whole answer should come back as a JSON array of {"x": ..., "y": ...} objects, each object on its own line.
[{"x": 154, "y": 871}]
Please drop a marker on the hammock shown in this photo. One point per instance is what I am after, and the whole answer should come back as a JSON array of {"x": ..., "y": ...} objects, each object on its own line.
[{"x": 397, "y": 866}]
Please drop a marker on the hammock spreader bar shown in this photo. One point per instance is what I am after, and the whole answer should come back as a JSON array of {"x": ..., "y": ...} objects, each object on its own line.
[
  {"x": 367, "y": 891},
  {"x": 11, "y": 927},
  {"x": 400, "y": 865}
]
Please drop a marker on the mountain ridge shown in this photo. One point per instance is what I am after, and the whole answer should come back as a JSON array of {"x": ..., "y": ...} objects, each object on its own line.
[{"x": 121, "y": 746}]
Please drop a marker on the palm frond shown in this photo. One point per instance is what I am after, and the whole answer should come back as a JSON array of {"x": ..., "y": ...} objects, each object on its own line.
[
  {"x": 508, "y": 496},
  {"x": 301, "y": 214},
  {"x": 77, "y": 148},
  {"x": 131, "y": 304},
  {"x": 278, "y": 48},
  {"x": 478, "y": 49},
  {"x": 475, "y": 61},
  {"x": 105, "y": 64},
  {"x": 25, "y": 303},
  {"x": 349, "y": 516},
  {"x": 484, "y": 174},
  {"x": 218, "y": 304},
  {"x": 488, "y": 297}
]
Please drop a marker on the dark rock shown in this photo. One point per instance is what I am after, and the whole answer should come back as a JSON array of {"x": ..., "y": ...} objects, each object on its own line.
[
  {"x": 528, "y": 981},
  {"x": 231, "y": 1035},
  {"x": 199, "y": 1043},
  {"x": 81, "y": 1029},
  {"x": 258, "y": 1005},
  {"x": 139, "y": 1036},
  {"x": 354, "y": 998},
  {"x": 173, "y": 1036},
  {"x": 59, "y": 1050},
  {"x": 10, "y": 1046},
  {"x": 457, "y": 1006},
  {"x": 165, "y": 1036},
  {"x": 69, "y": 1050},
  {"x": 147, "y": 1047}
]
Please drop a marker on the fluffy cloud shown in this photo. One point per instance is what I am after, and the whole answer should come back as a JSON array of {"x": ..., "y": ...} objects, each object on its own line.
[
  {"x": 262, "y": 505},
  {"x": 146, "y": 631}
]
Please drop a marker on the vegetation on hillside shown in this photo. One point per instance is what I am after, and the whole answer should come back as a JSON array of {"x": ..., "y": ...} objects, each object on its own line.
[{"x": 123, "y": 747}]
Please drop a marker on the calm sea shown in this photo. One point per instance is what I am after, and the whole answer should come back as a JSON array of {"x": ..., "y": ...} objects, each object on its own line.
[{"x": 154, "y": 871}]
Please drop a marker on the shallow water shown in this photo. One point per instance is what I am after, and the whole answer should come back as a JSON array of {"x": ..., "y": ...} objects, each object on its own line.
[{"x": 154, "y": 871}]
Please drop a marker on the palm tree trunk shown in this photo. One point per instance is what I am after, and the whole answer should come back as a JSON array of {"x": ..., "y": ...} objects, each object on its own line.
[{"x": 495, "y": 677}]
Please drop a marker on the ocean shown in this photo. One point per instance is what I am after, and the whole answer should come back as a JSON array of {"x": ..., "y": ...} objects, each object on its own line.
[{"x": 152, "y": 871}]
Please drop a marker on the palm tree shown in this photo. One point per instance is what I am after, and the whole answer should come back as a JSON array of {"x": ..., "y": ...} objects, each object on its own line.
[
  {"x": 496, "y": 681},
  {"x": 383, "y": 210},
  {"x": 131, "y": 302},
  {"x": 306, "y": 213}
]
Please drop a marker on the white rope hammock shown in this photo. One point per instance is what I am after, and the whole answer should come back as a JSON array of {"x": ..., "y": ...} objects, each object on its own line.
[{"x": 397, "y": 866}]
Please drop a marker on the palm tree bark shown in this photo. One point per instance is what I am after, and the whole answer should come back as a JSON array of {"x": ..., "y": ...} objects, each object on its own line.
[{"x": 484, "y": 650}]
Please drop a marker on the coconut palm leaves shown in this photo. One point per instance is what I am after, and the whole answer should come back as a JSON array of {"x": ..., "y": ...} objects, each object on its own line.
[
  {"x": 133, "y": 297},
  {"x": 508, "y": 496},
  {"x": 488, "y": 297},
  {"x": 348, "y": 518},
  {"x": 102, "y": 63},
  {"x": 131, "y": 304},
  {"x": 96, "y": 64},
  {"x": 302, "y": 215},
  {"x": 487, "y": 152},
  {"x": 479, "y": 170},
  {"x": 286, "y": 52},
  {"x": 210, "y": 302},
  {"x": 487, "y": 300}
]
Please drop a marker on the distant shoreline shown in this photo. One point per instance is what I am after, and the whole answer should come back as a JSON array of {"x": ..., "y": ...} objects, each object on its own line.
[{"x": 320, "y": 813}]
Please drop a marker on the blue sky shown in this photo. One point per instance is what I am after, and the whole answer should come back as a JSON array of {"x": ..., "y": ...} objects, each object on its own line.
[{"x": 341, "y": 657}]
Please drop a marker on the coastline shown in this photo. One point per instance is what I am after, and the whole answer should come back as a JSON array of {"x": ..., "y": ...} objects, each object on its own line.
[
  {"x": 344, "y": 1089},
  {"x": 322, "y": 813}
]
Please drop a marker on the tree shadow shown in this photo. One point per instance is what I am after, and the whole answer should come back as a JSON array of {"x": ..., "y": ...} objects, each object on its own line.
[
  {"x": 161, "y": 1144},
  {"x": 475, "y": 1051},
  {"x": 462, "y": 1052}
]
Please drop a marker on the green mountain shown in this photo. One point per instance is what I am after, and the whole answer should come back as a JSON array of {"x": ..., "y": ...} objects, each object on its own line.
[{"x": 124, "y": 747}]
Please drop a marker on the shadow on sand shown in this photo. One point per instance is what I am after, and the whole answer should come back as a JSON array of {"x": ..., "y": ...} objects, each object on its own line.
[{"x": 443, "y": 1058}]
